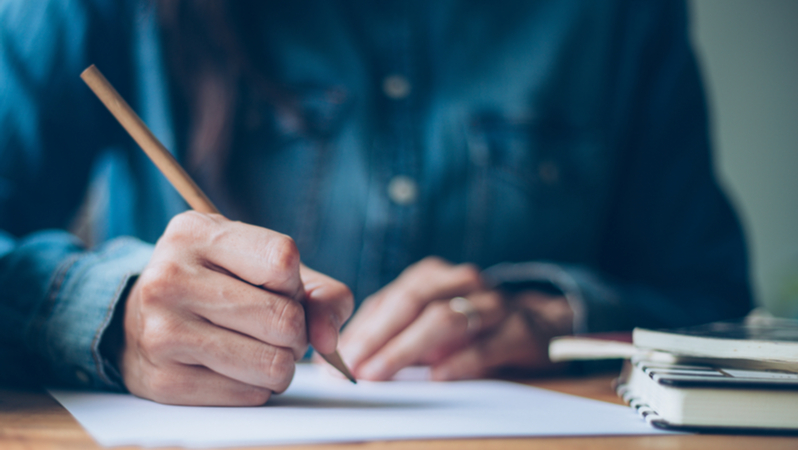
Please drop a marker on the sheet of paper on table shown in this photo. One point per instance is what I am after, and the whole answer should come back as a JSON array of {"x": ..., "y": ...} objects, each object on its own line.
[{"x": 318, "y": 408}]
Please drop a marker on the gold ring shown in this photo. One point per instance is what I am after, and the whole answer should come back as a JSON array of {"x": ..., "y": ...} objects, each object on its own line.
[{"x": 463, "y": 306}]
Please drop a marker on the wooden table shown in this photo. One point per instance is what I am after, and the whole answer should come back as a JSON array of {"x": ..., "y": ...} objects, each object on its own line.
[{"x": 32, "y": 420}]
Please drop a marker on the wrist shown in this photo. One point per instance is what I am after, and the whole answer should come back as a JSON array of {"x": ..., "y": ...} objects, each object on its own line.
[
  {"x": 547, "y": 315},
  {"x": 113, "y": 339}
]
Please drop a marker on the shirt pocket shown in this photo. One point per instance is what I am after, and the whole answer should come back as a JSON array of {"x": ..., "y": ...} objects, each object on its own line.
[
  {"x": 537, "y": 189},
  {"x": 285, "y": 148}
]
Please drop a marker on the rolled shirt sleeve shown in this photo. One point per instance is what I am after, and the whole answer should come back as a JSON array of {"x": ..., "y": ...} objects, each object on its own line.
[
  {"x": 56, "y": 297},
  {"x": 58, "y": 301}
]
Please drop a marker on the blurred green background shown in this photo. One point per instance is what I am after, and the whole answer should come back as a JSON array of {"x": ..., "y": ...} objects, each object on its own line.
[{"x": 748, "y": 55}]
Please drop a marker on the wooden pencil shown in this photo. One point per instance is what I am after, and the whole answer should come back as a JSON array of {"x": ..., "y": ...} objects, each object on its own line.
[{"x": 166, "y": 163}]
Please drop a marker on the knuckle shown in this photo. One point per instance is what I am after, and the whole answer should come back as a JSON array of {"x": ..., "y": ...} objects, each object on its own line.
[
  {"x": 156, "y": 335},
  {"x": 291, "y": 320},
  {"x": 184, "y": 225},
  {"x": 470, "y": 272},
  {"x": 279, "y": 365},
  {"x": 157, "y": 283},
  {"x": 283, "y": 254},
  {"x": 423, "y": 266},
  {"x": 432, "y": 263},
  {"x": 192, "y": 228},
  {"x": 434, "y": 260},
  {"x": 264, "y": 359}
]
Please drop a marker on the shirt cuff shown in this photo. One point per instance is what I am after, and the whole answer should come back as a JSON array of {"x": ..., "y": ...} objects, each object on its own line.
[
  {"x": 595, "y": 304},
  {"x": 79, "y": 307}
]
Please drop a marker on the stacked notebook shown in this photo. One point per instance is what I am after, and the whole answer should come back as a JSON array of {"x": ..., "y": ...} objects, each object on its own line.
[{"x": 726, "y": 376}]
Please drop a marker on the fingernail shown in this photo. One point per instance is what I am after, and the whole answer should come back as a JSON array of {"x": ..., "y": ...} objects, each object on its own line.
[
  {"x": 335, "y": 323},
  {"x": 335, "y": 328}
]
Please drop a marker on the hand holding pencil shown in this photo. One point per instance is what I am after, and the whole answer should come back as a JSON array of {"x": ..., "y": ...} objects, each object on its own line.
[{"x": 224, "y": 309}]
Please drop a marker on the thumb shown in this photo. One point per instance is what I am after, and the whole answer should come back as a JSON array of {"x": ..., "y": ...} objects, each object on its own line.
[{"x": 329, "y": 304}]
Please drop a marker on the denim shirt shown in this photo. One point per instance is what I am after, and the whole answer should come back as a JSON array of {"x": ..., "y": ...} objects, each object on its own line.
[{"x": 561, "y": 142}]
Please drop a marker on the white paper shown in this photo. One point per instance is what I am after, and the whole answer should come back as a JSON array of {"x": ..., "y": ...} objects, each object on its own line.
[{"x": 317, "y": 408}]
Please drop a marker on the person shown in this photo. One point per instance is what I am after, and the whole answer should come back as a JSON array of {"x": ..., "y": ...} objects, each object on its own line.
[{"x": 481, "y": 176}]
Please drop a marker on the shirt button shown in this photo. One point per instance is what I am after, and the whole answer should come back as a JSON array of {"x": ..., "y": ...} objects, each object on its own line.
[
  {"x": 82, "y": 376},
  {"x": 396, "y": 87},
  {"x": 402, "y": 190}
]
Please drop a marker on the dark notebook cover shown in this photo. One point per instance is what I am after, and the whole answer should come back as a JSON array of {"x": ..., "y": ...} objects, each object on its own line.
[
  {"x": 701, "y": 376},
  {"x": 760, "y": 329}
]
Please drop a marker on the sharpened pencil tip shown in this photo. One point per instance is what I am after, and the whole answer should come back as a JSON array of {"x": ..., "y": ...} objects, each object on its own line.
[{"x": 335, "y": 360}]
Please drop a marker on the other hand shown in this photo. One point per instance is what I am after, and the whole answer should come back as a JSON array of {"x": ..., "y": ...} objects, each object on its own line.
[{"x": 411, "y": 322}]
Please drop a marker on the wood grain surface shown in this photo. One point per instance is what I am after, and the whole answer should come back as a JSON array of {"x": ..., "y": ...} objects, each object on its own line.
[{"x": 32, "y": 420}]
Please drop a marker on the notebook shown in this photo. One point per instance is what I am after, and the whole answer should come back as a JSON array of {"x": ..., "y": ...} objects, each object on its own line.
[{"x": 709, "y": 398}]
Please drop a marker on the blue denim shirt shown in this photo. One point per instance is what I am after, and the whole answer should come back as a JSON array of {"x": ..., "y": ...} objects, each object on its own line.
[{"x": 558, "y": 141}]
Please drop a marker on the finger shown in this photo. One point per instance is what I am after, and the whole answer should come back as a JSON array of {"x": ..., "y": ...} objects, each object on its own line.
[
  {"x": 250, "y": 310},
  {"x": 235, "y": 356},
  {"x": 488, "y": 305},
  {"x": 328, "y": 303},
  {"x": 438, "y": 327},
  {"x": 257, "y": 255},
  {"x": 490, "y": 308},
  {"x": 404, "y": 299},
  {"x": 363, "y": 314},
  {"x": 179, "y": 384},
  {"x": 468, "y": 363},
  {"x": 511, "y": 344}
]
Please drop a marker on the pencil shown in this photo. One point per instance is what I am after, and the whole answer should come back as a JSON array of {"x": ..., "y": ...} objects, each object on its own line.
[{"x": 165, "y": 162}]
